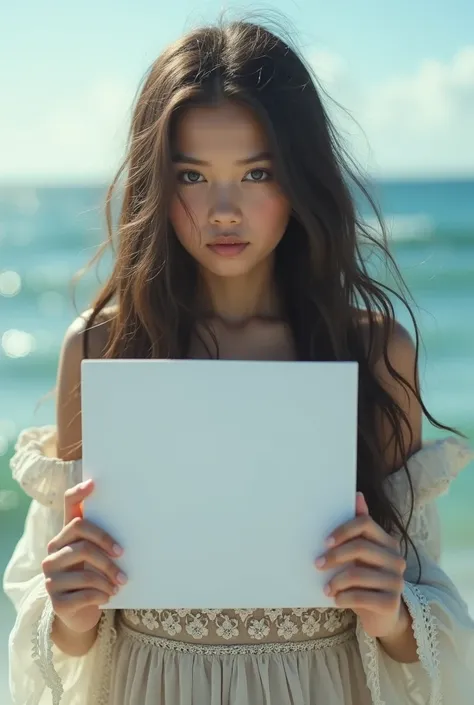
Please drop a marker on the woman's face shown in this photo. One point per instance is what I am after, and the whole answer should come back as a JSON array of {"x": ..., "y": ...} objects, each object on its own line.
[{"x": 224, "y": 177}]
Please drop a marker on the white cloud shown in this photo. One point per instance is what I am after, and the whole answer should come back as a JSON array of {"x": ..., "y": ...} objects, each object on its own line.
[
  {"x": 417, "y": 123},
  {"x": 79, "y": 136}
]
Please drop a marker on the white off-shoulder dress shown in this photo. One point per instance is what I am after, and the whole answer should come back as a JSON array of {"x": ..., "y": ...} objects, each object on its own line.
[{"x": 238, "y": 657}]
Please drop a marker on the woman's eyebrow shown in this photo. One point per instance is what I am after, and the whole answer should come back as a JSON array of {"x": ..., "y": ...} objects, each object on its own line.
[{"x": 179, "y": 158}]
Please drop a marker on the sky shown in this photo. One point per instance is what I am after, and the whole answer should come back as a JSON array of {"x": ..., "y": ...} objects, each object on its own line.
[{"x": 69, "y": 73}]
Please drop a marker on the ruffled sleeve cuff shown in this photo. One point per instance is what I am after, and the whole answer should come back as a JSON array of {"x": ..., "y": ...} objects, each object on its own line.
[
  {"x": 444, "y": 635},
  {"x": 42, "y": 476},
  {"x": 390, "y": 681},
  {"x": 432, "y": 469},
  {"x": 39, "y": 671}
]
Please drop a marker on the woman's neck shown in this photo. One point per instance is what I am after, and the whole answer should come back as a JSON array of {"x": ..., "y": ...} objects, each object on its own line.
[{"x": 236, "y": 300}]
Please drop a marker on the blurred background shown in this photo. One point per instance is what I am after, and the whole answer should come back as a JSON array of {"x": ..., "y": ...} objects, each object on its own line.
[{"x": 69, "y": 74}]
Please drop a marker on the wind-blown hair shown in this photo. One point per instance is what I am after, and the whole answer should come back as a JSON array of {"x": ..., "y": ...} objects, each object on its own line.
[{"x": 320, "y": 263}]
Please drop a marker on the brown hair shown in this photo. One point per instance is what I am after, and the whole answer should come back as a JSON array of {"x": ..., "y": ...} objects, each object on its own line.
[{"x": 321, "y": 262}]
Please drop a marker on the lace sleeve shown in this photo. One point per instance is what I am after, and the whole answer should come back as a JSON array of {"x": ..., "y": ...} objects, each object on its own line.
[
  {"x": 38, "y": 671},
  {"x": 442, "y": 626}
]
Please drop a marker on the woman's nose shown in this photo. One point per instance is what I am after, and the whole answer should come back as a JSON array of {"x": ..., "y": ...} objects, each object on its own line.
[
  {"x": 225, "y": 217},
  {"x": 225, "y": 213}
]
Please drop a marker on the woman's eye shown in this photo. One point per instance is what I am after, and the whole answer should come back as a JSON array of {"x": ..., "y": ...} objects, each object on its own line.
[
  {"x": 189, "y": 177},
  {"x": 258, "y": 175}
]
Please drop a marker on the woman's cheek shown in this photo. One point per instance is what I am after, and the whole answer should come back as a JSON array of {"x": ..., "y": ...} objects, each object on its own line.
[
  {"x": 270, "y": 206},
  {"x": 193, "y": 198},
  {"x": 184, "y": 216},
  {"x": 180, "y": 204}
]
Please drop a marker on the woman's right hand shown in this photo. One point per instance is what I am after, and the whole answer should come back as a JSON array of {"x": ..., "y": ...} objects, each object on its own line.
[{"x": 74, "y": 555}]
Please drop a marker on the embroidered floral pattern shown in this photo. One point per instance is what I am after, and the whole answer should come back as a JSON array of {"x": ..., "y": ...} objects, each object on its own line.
[
  {"x": 196, "y": 625},
  {"x": 227, "y": 628},
  {"x": 310, "y": 625},
  {"x": 258, "y": 628},
  {"x": 171, "y": 624},
  {"x": 133, "y": 617},
  {"x": 149, "y": 620},
  {"x": 258, "y": 624},
  {"x": 273, "y": 614},
  {"x": 228, "y": 649},
  {"x": 287, "y": 628},
  {"x": 332, "y": 622}
]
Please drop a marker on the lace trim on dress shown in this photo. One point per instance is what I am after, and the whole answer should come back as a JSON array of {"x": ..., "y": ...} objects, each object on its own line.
[
  {"x": 106, "y": 637},
  {"x": 238, "y": 649},
  {"x": 371, "y": 665},
  {"x": 42, "y": 652},
  {"x": 426, "y": 634}
]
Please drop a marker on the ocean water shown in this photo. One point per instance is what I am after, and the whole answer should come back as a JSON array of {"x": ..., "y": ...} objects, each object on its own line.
[{"x": 47, "y": 234}]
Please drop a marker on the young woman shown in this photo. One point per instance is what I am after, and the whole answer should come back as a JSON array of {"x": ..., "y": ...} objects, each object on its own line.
[{"x": 238, "y": 238}]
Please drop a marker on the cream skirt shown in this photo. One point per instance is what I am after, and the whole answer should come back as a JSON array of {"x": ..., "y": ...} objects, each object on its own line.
[{"x": 149, "y": 670}]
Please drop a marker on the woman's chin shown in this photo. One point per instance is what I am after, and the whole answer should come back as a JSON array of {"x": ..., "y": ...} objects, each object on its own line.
[{"x": 228, "y": 267}]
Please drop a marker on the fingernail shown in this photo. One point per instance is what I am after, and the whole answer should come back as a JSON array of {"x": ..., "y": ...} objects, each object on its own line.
[
  {"x": 121, "y": 578},
  {"x": 117, "y": 550},
  {"x": 330, "y": 541},
  {"x": 319, "y": 562},
  {"x": 327, "y": 590}
]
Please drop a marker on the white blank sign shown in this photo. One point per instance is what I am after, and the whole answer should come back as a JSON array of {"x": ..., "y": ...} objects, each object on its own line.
[{"x": 221, "y": 479}]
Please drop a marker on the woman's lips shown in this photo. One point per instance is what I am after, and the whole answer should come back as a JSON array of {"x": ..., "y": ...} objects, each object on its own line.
[{"x": 231, "y": 249}]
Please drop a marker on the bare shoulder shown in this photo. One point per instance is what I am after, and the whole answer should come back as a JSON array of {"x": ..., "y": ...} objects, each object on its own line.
[
  {"x": 98, "y": 334},
  {"x": 393, "y": 358},
  {"x": 377, "y": 333},
  {"x": 68, "y": 389}
]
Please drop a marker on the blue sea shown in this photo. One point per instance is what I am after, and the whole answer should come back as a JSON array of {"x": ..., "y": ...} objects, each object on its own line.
[{"x": 47, "y": 234}]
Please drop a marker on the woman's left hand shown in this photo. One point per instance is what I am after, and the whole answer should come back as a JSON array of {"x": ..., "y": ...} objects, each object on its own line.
[{"x": 370, "y": 581}]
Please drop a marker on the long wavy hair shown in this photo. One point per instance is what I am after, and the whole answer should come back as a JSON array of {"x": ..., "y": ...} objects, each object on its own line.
[{"x": 320, "y": 264}]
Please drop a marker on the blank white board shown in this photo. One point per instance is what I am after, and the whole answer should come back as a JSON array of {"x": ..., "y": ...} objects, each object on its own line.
[{"x": 221, "y": 479}]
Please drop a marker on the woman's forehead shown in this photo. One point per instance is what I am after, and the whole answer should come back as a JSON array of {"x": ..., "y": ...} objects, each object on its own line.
[{"x": 209, "y": 132}]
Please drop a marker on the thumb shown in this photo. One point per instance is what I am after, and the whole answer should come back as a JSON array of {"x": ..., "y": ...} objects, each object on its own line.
[
  {"x": 74, "y": 500},
  {"x": 361, "y": 504}
]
